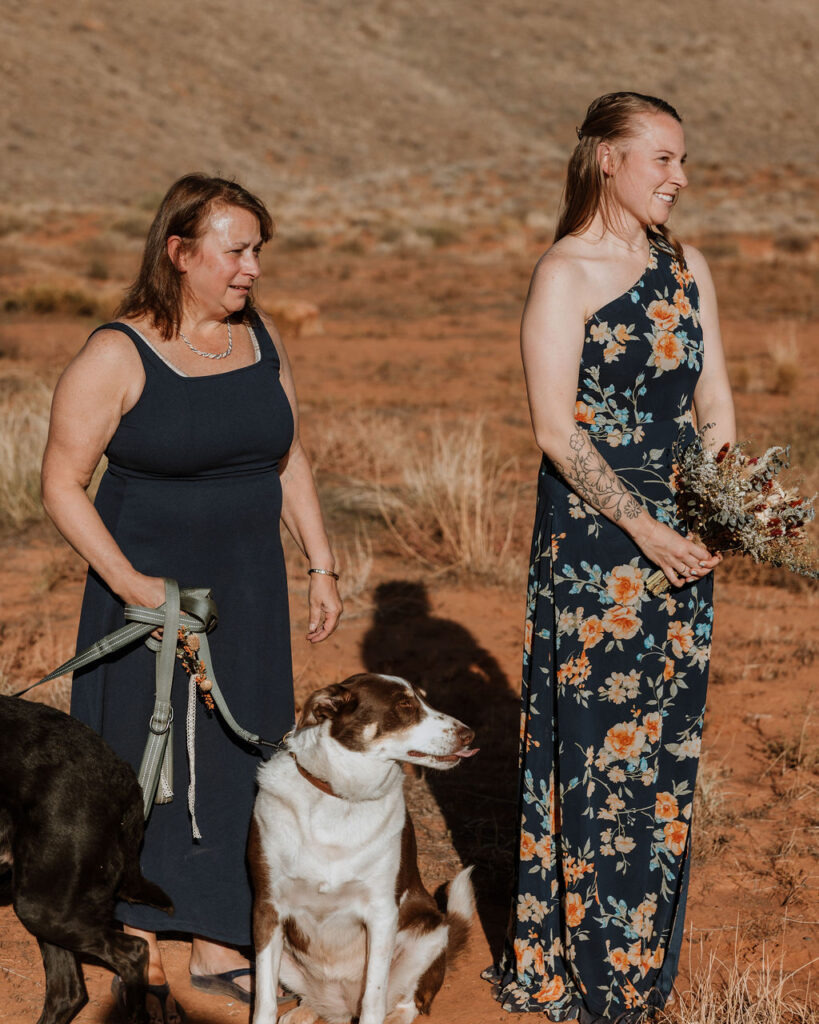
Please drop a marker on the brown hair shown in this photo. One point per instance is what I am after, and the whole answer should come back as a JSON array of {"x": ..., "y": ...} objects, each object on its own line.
[
  {"x": 610, "y": 118},
  {"x": 157, "y": 290}
]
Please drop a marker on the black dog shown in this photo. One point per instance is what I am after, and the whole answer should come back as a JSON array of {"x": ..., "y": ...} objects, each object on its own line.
[{"x": 71, "y": 825}]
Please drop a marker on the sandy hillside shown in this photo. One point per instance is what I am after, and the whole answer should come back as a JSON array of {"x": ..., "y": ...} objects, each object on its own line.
[{"x": 106, "y": 104}]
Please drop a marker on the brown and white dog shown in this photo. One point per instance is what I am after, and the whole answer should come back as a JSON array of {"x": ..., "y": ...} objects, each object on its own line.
[{"x": 341, "y": 916}]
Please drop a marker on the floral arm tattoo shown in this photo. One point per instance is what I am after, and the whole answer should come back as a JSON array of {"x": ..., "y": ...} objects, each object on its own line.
[{"x": 588, "y": 473}]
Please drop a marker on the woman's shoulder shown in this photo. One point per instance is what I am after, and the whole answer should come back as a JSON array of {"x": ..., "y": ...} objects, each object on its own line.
[
  {"x": 563, "y": 269},
  {"x": 695, "y": 260}
]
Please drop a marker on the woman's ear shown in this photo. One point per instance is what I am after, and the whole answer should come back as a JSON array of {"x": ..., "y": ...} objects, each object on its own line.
[
  {"x": 605, "y": 157},
  {"x": 177, "y": 252}
]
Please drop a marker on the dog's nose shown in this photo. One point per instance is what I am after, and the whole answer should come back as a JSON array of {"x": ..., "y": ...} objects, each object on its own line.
[{"x": 465, "y": 735}]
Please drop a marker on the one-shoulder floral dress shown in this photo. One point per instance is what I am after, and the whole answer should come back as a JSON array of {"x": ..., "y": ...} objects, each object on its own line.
[{"x": 614, "y": 682}]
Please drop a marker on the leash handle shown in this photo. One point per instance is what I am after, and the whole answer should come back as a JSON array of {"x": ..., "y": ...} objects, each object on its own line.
[{"x": 155, "y": 758}]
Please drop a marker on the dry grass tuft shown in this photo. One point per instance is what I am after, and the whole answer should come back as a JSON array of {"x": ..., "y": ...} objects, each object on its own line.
[
  {"x": 722, "y": 993},
  {"x": 785, "y": 369},
  {"x": 455, "y": 507},
  {"x": 24, "y": 411},
  {"x": 711, "y": 815},
  {"x": 355, "y": 563}
]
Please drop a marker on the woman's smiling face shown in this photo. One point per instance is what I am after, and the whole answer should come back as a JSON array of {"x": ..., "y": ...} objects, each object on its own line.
[
  {"x": 645, "y": 172},
  {"x": 220, "y": 268}
]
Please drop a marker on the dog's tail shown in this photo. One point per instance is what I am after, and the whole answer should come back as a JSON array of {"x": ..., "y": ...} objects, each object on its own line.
[
  {"x": 134, "y": 888},
  {"x": 460, "y": 908}
]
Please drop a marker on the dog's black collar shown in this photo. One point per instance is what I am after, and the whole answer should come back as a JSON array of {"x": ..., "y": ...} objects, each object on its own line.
[{"x": 325, "y": 787}]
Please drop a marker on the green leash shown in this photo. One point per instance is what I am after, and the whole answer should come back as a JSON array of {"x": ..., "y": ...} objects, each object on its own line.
[{"x": 191, "y": 609}]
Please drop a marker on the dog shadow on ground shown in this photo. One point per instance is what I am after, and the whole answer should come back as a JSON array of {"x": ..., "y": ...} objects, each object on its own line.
[{"x": 478, "y": 799}]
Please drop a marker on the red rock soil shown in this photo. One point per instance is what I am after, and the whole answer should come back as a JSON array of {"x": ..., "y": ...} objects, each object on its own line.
[{"x": 438, "y": 332}]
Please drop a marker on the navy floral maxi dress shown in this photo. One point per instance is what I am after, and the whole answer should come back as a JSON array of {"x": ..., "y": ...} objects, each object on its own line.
[{"x": 614, "y": 683}]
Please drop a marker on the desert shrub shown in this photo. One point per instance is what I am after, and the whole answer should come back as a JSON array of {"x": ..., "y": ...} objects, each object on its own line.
[
  {"x": 792, "y": 243},
  {"x": 46, "y": 299},
  {"x": 97, "y": 269},
  {"x": 299, "y": 240},
  {"x": 441, "y": 235},
  {"x": 24, "y": 411},
  {"x": 132, "y": 226}
]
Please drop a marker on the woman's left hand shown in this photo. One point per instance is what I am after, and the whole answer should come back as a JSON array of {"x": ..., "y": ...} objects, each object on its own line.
[{"x": 324, "y": 607}]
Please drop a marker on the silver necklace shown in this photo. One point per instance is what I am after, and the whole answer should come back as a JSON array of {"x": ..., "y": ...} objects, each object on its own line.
[{"x": 209, "y": 355}]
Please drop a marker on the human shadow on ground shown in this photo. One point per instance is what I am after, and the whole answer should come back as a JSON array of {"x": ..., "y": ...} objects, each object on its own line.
[{"x": 461, "y": 678}]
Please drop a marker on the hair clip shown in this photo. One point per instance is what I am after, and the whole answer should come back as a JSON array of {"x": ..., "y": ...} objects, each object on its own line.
[{"x": 579, "y": 134}]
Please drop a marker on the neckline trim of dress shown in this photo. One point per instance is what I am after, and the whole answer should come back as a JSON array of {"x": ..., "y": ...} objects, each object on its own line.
[
  {"x": 202, "y": 376},
  {"x": 652, "y": 249}
]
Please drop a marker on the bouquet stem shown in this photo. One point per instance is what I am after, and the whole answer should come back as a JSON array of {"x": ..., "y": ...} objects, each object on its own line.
[{"x": 657, "y": 583}]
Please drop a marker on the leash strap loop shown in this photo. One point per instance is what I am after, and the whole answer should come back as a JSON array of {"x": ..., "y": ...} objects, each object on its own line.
[{"x": 190, "y": 608}]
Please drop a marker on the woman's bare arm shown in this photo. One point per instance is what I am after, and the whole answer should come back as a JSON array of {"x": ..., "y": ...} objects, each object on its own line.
[
  {"x": 301, "y": 514},
  {"x": 713, "y": 402},
  {"x": 100, "y": 384}
]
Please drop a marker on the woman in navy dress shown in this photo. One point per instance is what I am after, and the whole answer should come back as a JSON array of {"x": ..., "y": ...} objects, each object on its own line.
[
  {"x": 190, "y": 396},
  {"x": 621, "y": 350}
]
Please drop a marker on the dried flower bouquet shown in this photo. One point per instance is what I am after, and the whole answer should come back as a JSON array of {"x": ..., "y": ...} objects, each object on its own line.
[{"x": 734, "y": 502}]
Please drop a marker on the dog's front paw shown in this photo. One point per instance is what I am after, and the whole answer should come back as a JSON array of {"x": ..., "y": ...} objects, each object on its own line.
[
  {"x": 403, "y": 1013},
  {"x": 300, "y": 1015}
]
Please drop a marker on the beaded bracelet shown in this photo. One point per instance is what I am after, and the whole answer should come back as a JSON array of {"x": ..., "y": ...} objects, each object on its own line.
[{"x": 323, "y": 572}]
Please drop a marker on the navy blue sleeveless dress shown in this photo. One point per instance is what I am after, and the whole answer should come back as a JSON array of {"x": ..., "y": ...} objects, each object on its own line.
[
  {"x": 192, "y": 492},
  {"x": 614, "y": 682}
]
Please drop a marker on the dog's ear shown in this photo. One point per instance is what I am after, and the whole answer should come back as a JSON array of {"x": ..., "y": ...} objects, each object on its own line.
[{"x": 326, "y": 703}]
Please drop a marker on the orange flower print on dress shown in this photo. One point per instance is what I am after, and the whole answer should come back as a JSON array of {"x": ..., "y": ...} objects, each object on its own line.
[
  {"x": 575, "y": 671},
  {"x": 618, "y": 958},
  {"x": 543, "y": 849},
  {"x": 527, "y": 636},
  {"x": 681, "y": 636},
  {"x": 667, "y": 352},
  {"x": 675, "y": 833},
  {"x": 625, "y": 585},
  {"x": 642, "y": 920},
  {"x": 625, "y": 740},
  {"x": 524, "y": 954},
  {"x": 669, "y": 669},
  {"x": 666, "y": 807},
  {"x": 527, "y": 846},
  {"x": 653, "y": 725},
  {"x": 583, "y": 413},
  {"x": 551, "y": 990},
  {"x": 591, "y": 631},
  {"x": 663, "y": 314},
  {"x": 624, "y": 844},
  {"x": 682, "y": 303},
  {"x": 621, "y": 622},
  {"x": 575, "y": 911},
  {"x": 682, "y": 274}
]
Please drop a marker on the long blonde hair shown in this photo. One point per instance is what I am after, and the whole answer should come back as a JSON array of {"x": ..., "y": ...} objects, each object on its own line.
[{"x": 610, "y": 118}]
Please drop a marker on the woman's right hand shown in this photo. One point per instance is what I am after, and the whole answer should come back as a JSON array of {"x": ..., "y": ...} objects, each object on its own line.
[
  {"x": 682, "y": 559},
  {"x": 147, "y": 591}
]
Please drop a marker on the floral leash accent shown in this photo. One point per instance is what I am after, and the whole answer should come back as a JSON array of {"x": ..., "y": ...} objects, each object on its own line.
[
  {"x": 734, "y": 502},
  {"x": 188, "y": 653}
]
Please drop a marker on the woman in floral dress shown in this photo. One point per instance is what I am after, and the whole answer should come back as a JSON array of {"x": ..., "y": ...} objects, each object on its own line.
[{"x": 621, "y": 349}]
